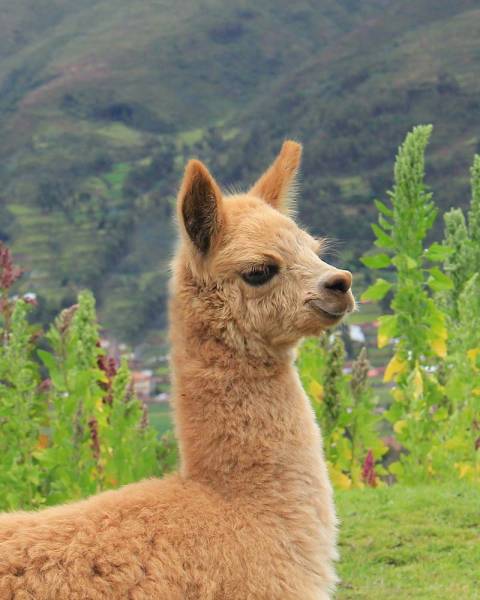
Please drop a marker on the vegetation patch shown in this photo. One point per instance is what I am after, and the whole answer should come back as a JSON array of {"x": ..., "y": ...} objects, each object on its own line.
[{"x": 410, "y": 542}]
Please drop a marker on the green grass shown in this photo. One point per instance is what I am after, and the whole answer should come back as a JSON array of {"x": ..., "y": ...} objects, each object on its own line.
[
  {"x": 351, "y": 186},
  {"x": 160, "y": 417},
  {"x": 410, "y": 543},
  {"x": 121, "y": 134},
  {"x": 191, "y": 136},
  {"x": 116, "y": 178}
]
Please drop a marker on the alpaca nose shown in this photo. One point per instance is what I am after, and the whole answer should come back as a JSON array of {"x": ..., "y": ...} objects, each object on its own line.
[{"x": 339, "y": 281}]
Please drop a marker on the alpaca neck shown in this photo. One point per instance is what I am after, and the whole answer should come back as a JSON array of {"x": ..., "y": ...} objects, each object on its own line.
[{"x": 242, "y": 423}]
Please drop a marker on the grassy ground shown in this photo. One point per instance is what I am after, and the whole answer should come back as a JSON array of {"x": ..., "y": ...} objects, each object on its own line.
[
  {"x": 410, "y": 543},
  {"x": 160, "y": 417}
]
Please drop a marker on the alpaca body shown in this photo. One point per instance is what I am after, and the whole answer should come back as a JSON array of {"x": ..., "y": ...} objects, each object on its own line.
[
  {"x": 264, "y": 532},
  {"x": 250, "y": 514}
]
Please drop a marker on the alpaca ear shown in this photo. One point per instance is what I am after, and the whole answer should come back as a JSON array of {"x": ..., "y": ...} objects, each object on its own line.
[
  {"x": 277, "y": 185},
  {"x": 200, "y": 206}
]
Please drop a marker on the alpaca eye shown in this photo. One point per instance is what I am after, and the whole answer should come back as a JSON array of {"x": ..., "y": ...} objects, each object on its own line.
[{"x": 260, "y": 275}]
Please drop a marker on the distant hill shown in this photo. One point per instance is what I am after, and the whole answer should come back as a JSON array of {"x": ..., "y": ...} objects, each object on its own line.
[
  {"x": 416, "y": 62},
  {"x": 102, "y": 102}
]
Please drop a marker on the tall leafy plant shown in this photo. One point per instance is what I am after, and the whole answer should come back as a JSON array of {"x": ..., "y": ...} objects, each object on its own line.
[
  {"x": 21, "y": 401},
  {"x": 462, "y": 307},
  {"x": 417, "y": 325}
]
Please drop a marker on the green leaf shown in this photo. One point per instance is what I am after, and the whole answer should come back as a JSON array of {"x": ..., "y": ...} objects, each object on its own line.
[
  {"x": 395, "y": 412},
  {"x": 438, "y": 281},
  {"x": 384, "y": 223},
  {"x": 402, "y": 261},
  {"x": 377, "y": 261},
  {"x": 397, "y": 469},
  {"x": 382, "y": 208},
  {"x": 387, "y": 329},
  {"x": 48, "y": 360},
  {"x": 437, "y": 252},
  {"x": 377, "y": 291},
  {"x": 383, "y": 240}
]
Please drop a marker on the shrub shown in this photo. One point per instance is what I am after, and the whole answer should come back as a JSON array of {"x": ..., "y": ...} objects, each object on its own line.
[
  {"x": 71, "y": 424},
  {"x": 434, "y": 412},
  {"x": 433, "y": 292},
  {"x": 344, "y": 407}
]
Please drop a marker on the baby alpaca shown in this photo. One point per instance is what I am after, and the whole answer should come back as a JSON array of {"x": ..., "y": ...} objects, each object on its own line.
[{"x": 250, "y": 514}]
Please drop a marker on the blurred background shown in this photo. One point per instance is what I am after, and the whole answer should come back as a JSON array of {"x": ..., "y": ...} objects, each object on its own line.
[{"x": 103, "y": 101}]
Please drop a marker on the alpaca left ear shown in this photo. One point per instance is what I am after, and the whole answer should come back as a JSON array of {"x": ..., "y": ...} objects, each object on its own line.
[
  {"x": 200, "y": 207},
  {"x": 277, "y": 185}
]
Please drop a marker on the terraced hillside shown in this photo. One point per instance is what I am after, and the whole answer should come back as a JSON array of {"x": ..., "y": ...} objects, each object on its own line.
[{"x": 102, "y": 101}]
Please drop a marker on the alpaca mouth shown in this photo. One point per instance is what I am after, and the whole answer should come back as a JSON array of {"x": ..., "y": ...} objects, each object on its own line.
[{"x": 331, "y": 315}]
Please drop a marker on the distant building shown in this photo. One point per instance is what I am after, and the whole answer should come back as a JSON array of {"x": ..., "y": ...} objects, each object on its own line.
[
  {"x": 356, "y": 334},
  {"x": 161, "y": 398},
  {"x": 376, "y": 372},
  {"x": 143, "y": 383}
]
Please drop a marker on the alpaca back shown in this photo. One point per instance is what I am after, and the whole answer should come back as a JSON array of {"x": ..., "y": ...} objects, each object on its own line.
[{"x": 164, "y": 539}]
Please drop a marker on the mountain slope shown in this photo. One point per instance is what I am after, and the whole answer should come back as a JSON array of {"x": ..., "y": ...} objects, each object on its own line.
[
  {"x": 353, "y": 105},
  {"x": 102, "y": 102}
]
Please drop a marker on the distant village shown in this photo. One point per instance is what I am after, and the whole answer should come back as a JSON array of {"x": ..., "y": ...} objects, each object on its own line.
[{"x": 152, "y": 384}]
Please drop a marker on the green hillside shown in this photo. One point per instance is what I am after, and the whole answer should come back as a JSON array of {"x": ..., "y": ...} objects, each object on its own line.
[
  {"x": 102, "y": 102},
  {"x": 351, "y": 106}
]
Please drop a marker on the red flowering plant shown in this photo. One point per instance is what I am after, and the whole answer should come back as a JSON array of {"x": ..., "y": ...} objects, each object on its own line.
[
  {"x": 9, "y": 273},
  {"x": 369, "y": 476}
]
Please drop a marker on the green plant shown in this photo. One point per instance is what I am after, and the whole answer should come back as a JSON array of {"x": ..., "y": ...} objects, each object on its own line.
[
  {"x": 462, "y": 307},
  {"x": 417, "y": 324},
  {"x": 71, "y": 426},
  {"x": 344, "y": 407},
  {"x": 462, "y": 239},
  {"x": 434, "y": 412},
  {"x": 21, "y": 406}
]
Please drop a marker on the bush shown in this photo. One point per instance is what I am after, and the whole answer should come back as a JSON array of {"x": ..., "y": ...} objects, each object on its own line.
[
  {"x": 435, "y": 411},
  {"x": 344, "y": 407},
  {"x": 71, "y": 424}
]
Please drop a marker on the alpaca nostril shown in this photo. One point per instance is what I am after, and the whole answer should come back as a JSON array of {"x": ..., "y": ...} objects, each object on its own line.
[{"x": 339, "y": 282}]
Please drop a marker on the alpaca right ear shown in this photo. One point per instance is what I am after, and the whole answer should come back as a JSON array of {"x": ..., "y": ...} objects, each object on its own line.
[
  {"x": 200, "y": 206},
  {"x": 277, "y": 185}
]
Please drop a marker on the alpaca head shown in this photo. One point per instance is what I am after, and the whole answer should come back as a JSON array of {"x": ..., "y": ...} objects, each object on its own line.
[{"x": 246, "y": 270}]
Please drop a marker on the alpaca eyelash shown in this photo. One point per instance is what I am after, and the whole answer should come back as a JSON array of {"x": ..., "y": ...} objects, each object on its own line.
[{"x": 260, "y": 274}]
